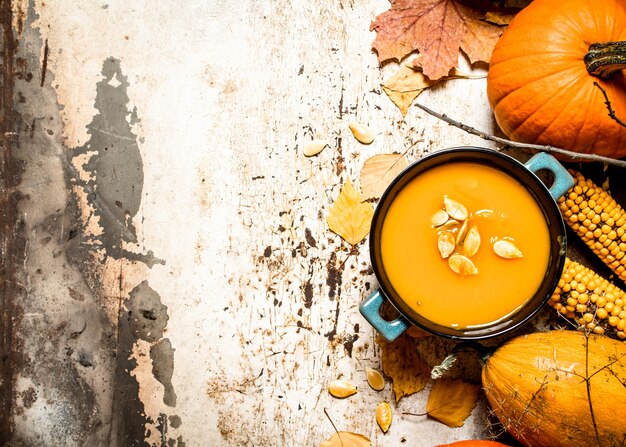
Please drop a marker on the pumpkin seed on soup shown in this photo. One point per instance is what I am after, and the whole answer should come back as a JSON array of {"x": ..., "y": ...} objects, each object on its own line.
[
  {"x": 455, "y": 209},
  {"x": 446, "y": 244},
  {"x": 507, "y": 249},
  {"x": 439, "y": 218},
  {"x": 471, "y": 242},
  {"x": 462, "y": 265},
  {"x": 450, "y": 225},
  {"x": 462, "y": 232}
]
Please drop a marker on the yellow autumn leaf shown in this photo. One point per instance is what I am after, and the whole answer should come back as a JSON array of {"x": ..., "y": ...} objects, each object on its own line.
[
  {"x": 349, "y": 217},
  {"x": 404, "y": 86},
  {"x": 408, "y": 82},
  {"x": 402, "y": 363},
  {"x": 346, "y": 439},
  {"x": 451, "y": 401},
  {"x": 378, "y": 171}
]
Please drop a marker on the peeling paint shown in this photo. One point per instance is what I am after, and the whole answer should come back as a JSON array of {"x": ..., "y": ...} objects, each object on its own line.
[
  {"x": 142, "y": 326},
  {"x": 114, "y": 168}
]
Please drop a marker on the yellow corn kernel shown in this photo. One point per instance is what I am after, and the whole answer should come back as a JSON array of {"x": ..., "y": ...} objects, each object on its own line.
[
  {"x": 599, "y": 220},
  {"x": 590, "y": 300}
]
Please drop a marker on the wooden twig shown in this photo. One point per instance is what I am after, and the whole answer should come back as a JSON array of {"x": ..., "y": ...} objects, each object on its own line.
[
  {"x": 574, "y": 156},
  {"x": 608, "y": 105}
]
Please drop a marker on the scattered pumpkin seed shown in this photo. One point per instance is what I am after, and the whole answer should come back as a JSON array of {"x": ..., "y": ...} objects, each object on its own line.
[
  {"x": 455, "y": 209},
  {"x": 341, "y": 388},
  {"x": 460, "y": 237},
  {"x": 384, "y": 416},
  {"x": 362, "y": 133},
  {"x": 471, "y": 242},
  {"x": 314, "y": 147},
  {"x": 462, "y": 265},
  {"x": 507, "y": 249},
  {"x": 445, "y": 244},
  {"x": 439, "y": 218},
  {"x": 375, "y": 379}
]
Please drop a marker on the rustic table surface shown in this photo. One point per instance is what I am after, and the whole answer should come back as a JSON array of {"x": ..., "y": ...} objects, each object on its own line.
[{"x": 174, "y": 281}]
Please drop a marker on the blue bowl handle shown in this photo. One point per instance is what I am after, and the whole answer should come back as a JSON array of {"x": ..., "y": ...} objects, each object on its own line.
[
  {"x": 562, "y": 179},
  {"x": 370, "y": 309}
]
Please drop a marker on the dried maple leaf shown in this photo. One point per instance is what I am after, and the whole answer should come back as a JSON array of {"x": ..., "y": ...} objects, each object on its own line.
[
  {"x": 349, "y": 217},
  {"x": 438, "y": 29},
  {"x": 346, "y": 439},
  {"x": 416, "y": 332},
  {"x": 402, "y": 363},
  {"x": 452, "y": 401},
  {"x": 378, "y": 171},
  {"x": 408, "y": 82}
]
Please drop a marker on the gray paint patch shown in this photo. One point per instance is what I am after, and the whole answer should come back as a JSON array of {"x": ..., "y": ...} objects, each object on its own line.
[
  {"x": 115, "y": 166},
  {"x": 162, "y": 355},
  {"x": 128, "y": 415},
  {"x": 175, "y": 421},
  {"x": 145, "y": 318},
  {"x": 147, "y": 315}
]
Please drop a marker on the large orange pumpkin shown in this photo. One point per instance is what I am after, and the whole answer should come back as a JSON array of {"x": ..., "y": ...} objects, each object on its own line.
[{"x": 539, "y": 86}]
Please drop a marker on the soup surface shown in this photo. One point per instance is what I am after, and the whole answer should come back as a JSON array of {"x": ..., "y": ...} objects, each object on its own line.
[{"x": 501, "y": 209}]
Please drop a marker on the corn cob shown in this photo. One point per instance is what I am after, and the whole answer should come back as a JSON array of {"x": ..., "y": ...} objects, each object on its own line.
[
  {"x": 590, "y": 300},
  {"x": 600, "y": 221}
]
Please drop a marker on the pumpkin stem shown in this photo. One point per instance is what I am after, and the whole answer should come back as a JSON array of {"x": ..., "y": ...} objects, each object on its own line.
[
  {"x": 603, "y": 59},
  {"x": 483, "y": 352}
]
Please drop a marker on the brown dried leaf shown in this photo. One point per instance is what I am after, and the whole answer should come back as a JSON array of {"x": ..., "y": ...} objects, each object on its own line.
[
  {"x": 499, "y": 17},
  {"x": 416, "y": 332},
  {"x": 403, "y": 365},
  {"x": 378, "y": 171},
  {"x": 408, "y": 82},
  {"x": 452, "y": 401},
  {"x": 437, "y": 29},
  {"x": 347, "y": 439},
  {"x": 349, "y": 217},
  {"x": 406, "y": 85}
]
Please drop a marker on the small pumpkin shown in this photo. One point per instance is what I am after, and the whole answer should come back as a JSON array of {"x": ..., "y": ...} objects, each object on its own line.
[
  {"x": 544, "y": 386},
  {"x": 548, "y": 72}
]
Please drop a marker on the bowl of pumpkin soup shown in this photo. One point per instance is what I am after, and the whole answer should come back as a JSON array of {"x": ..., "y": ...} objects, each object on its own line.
[{"x": 467, "y": 243}]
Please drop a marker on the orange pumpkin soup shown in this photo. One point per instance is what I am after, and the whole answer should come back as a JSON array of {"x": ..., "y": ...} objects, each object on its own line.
[{"x": 503, "y": 214}]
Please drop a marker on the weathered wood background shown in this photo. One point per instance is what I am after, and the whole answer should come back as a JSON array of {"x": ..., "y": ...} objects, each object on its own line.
[{"x": 169, "y": 278}]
